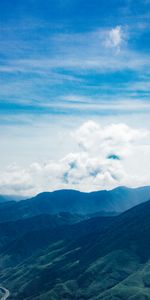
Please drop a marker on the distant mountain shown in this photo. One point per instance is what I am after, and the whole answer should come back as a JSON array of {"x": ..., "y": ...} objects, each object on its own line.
[
  {"x": 2, "y": 199},
  {"x": 75, "y": 202},
  {"x": 104, "y": 258},
  {"x": 117, "y": 200}
]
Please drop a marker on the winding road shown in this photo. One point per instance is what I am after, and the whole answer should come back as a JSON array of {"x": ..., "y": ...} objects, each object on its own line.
[{"x": 6, "y": 293}]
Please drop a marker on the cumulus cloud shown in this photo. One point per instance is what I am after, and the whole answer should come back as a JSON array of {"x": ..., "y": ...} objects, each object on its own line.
[
  {"x": 98, "y": 164},
  {"x": 105, "y": 140}
]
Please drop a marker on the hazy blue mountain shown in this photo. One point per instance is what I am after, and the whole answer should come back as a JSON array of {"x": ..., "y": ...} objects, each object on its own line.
[
  {"x": 2, "y": 199},
  {"x": 75, "y": 202},
  {"x": 117, "y": 200},
  {"x": 5, "y": 198}
]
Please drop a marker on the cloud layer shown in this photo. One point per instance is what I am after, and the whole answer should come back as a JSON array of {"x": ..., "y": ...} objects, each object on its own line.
[{"x": 98, "y": 163}]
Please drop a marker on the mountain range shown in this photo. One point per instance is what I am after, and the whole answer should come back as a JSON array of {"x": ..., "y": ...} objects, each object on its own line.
[
  {"x": 74, "y": 202},
  {"x": 66, "y": 255}
]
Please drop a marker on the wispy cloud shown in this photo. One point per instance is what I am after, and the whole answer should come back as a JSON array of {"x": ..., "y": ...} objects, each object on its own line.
[
  {"x": 115, "y": 38},
  {"x": 40, "y": 76}
]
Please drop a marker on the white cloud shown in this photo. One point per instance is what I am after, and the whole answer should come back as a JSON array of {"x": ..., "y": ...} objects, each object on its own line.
[
  {"x": 115, "y": 138},
  {"x": 15, "y": 180},
  {"x": 80, "y": 53},
  {"x": 98, "y": 163},
  {"x": 115, "y": 38}
]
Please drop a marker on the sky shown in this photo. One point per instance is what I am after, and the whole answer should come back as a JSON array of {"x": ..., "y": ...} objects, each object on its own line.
[{"x": 74, "y": 97}]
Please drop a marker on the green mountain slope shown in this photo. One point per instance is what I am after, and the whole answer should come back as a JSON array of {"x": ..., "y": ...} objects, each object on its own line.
[{"x": 94, "y": 259}]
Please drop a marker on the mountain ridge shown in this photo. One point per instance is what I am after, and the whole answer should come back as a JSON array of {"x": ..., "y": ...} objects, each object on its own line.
[{"x": 76, "y": 202}]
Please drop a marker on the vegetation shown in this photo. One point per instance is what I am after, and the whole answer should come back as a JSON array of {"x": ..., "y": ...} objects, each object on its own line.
[{"x": 98, "y": 258}]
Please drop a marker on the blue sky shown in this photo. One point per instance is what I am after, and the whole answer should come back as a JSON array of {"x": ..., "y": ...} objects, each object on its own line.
[
  {"x": 55, "y": 53},
  {"x": 63, "y": 63}
]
